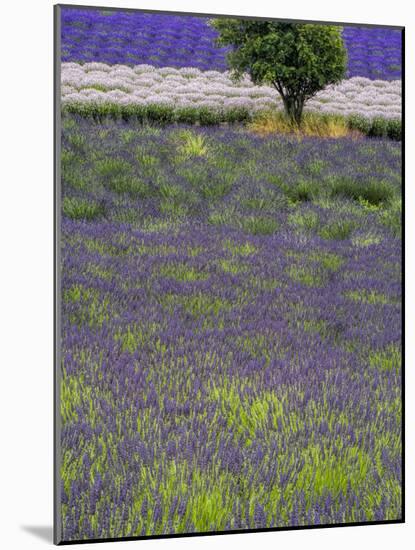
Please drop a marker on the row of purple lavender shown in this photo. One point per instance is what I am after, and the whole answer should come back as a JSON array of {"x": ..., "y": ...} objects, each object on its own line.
[{"x": 161, "y": 40}]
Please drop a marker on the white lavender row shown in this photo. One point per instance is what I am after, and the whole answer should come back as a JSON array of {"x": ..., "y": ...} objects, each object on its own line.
[{"x": 185, "y": 87}]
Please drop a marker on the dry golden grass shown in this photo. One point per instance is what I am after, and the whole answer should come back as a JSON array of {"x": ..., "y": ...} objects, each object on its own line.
[{"x": 276, "y": 122}]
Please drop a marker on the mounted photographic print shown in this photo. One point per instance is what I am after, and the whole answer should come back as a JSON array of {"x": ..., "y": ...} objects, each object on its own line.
[{"x": 228, "y": 272}]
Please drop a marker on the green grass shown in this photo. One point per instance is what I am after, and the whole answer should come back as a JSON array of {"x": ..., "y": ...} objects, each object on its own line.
[
  {"x": 328, "y": 260},
  {"x": 182, "y": 272},
  {"x": 368, "y": 297},
  {"x": 197, "y": 304},
  {"x": 363, "y": 241},
  {"x": 303, "y": 191},
  {"x": 77, "y": 142},
  {"x": 130, "y": 185},
  {"x": 192, "y": 145},
  {"x": 113, "y": 167},
  {"x": 233, "y": 267},
  {"x": 337, "y": 230},
  {"x": 216, "y": 189},
  {"x": 91, "y": 308},
  {"x": 392, "y": 217},
  {"x": 127, "y": 136},
  {"x": 374, "y": 192},
  {"x": 305, "y": 275},
  {"x": 82, "y": 209},
  {"x": 245, "y": 249},
  {"x": 388, "y": 359},
  {"x": 307, "y": 221},
  {"x": 257, "y": 225}
]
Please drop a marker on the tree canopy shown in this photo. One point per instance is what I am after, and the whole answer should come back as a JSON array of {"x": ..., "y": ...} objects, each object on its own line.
[{"x": 297, "y": 59}]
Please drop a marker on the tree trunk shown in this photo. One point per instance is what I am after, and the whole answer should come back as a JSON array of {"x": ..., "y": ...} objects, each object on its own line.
[{"x": 294, "y": 108}]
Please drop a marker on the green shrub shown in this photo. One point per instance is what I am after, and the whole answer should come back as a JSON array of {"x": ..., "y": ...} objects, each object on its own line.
[
  {"x": 394, "y": 129},
  {"x": 161, "y": 114},
  {"x": 209, "y": 117},
  {"x": 379, "y": 128},
  {"x": 360, "y": 123},
  {"x": 187, "y": 115},
  {"x": 237, "y": 114}
]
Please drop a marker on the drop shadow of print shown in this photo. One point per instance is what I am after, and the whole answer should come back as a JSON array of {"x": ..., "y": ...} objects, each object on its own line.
[{"x": 42, "y": 532}]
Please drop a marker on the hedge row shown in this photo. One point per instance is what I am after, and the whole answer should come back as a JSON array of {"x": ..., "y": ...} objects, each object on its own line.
[
  {"x": 378, "y": 127},
  {"x": 164, "y": 114},
  {"x": 159, "y": 114}
]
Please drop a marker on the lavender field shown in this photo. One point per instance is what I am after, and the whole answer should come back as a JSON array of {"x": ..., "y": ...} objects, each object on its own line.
[
  {"x": 166, "y": 40},
  {"x": 231, "y": 307}
]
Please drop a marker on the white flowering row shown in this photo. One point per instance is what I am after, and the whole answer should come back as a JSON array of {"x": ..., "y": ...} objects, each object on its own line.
[{"x": 190, "y": 87}]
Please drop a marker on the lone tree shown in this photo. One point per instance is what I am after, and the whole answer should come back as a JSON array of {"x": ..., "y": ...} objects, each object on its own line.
[{"x": 297, "y": 59}]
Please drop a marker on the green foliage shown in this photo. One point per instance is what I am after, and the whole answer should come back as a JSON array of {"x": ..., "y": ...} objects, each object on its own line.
[
  {"x": 312, "y": 123},
  {"x": 394, "y": 129},
  {"x": 297, "y": 59},
  {"x": 131, "y": 185},
  {"x": 327, "y": 260},
  {"x": 379, "y": 127},
  {"x": 209, "y": 117},
  {"x": 233, "y": 267},
  {"x": 216, "y": 188},
  {"x": 113, "y": 167},
  {"x": 182, "y": 272},
  {"x": 302, "y": 191},
  {"x": 127, "y": 136},
  {"x": 77, "y": 142},
  {"x": 81, "y": 209},
  {"x": 337, "y": 230},
  {"x": 388, "y": 359},
  {"x": 360, "y": 123},
  {"x": 305, "y": 275},
  {"x": 308, "y": 221},
  {"x": 237, "y": 114},
  {"x": 192, "y": 145},
  {"x": 373, "y": 191},
  {"x": 187, "y": 115},
  {"x": 162, "y": 114},
  {"x": 259, "y": 225},
  {"x": 392, "y": 217},
  {"x": 367, "y": 296}
]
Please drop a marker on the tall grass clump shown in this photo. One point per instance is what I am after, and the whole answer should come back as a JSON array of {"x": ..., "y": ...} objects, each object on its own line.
[
  {"x": 258, "y": 225},
  {"x": 82, "y": 209},
  {"x": 373, "y": 191},
  {"x": 312, "y": 124},
  {"x": 192, "y": 145},
  {"x": 337, "y": 230},
  {"x": 302, "y": 191},
  {"x": 391, "y": 217}
]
